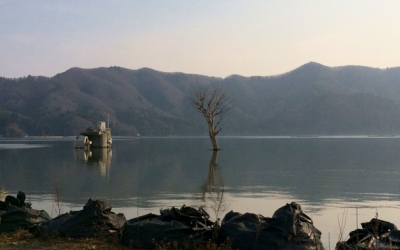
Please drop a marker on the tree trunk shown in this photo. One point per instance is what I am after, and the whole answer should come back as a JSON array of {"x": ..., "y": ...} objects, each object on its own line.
[
  {"x": 213, "y": 138},
  {"x": 214, "y": 143}
]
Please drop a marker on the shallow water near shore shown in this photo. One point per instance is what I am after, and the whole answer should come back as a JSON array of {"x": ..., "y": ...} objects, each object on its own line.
[{"x": 339, "y": 181}]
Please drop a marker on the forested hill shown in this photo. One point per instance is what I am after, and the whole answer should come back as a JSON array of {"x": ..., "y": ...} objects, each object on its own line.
[{"x": 310, "y": 100}]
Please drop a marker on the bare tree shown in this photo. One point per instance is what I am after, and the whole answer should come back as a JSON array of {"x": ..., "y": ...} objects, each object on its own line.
[{"x": 213, "y": 102}]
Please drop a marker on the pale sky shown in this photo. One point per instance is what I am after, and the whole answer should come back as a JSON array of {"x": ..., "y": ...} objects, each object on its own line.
[{"x": 207, "y": 37}]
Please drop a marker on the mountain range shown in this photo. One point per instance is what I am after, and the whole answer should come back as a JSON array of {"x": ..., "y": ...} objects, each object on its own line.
[{"x": 312, "y": 99}]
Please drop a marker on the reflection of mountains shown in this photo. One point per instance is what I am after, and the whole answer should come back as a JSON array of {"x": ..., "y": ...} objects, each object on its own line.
[
  {"x": 154, "y": 166},
  {"x": 312, "y": 170},
  {"x": 316, "y": 169}
]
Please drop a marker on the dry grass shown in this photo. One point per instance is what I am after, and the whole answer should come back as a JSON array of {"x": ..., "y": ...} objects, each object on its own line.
[
  {"x": 342, "y": 226},
  {"x": 57, "y": 206},
  {"x": 22, "y": 239},
  {"x": 208, "y": 245},
  {"x": 3, "y": 194}
]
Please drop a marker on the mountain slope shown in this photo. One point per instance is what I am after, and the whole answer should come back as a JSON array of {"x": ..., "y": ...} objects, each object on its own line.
[{"x": 312, "y": 99}]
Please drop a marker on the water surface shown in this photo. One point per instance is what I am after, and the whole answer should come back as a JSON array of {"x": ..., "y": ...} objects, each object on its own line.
[{"x": 355, "y": 178}]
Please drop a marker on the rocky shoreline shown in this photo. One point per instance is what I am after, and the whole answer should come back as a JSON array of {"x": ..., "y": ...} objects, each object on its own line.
[{"x": 186, "y": 228}]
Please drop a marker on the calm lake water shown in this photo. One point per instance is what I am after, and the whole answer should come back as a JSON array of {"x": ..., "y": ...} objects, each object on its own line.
[{"x": 330, "y": 177}]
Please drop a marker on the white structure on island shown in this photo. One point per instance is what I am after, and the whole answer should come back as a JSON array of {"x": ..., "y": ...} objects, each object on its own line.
[{"x": 98, "y": 137}]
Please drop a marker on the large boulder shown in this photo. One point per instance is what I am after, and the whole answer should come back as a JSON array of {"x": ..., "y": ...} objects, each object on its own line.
[
  {"x": 289, "y": 228},
  {"x": 13, "y": 218},
  {"x": 96, "y": 219},
  {"x": 375, "y": 234},
  {"x": 184, "y": 226}
]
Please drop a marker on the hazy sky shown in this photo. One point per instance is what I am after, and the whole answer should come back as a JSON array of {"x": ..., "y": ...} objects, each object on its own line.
[{"x": 214, "y": 38}]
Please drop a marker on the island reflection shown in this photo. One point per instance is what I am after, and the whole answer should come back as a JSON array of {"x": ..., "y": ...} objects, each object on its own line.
[{"x": 98, "y": 157}]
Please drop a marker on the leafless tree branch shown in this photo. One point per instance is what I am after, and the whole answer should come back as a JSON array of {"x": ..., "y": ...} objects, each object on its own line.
[{"x": 213, "y": 102}]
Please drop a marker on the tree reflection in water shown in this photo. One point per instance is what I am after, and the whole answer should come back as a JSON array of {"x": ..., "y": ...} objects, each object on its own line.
[{"x": 213, "y": 189}]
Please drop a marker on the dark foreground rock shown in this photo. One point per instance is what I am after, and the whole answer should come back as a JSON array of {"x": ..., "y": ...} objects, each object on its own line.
[
  {"x": 96, "y": 219},
  {"x": 13, "y": 218},
  {"x": 289, "y": 228},
  {"x": 376, "y": 234},
  {"x": 184, "y": 226}
]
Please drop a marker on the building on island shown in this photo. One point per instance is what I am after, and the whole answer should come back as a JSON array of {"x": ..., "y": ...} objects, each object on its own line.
[{"x": 97, "y": 137}]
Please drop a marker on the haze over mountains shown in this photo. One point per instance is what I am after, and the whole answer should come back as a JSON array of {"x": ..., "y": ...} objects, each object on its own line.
[{"x": 310, "y": 100}]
